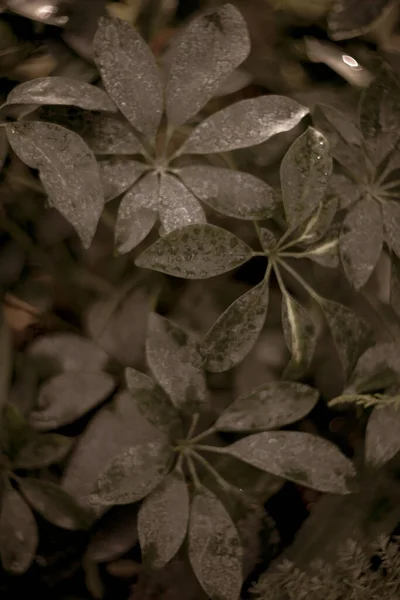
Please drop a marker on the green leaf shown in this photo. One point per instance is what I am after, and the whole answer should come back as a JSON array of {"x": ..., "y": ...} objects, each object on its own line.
[
  {"x": 215, "y": 549},
  {"x": 66, "y": 397},
  {"x": 361, "y": 241},
  {"x": 209, "y": 49},
  {"x": 300, "y": 457},
  {"x": 176, "y": 363},
  {"x": 67, "y": 169},
  {"x": 132, "y": 475},
  {"x": 375, "y": 370},
  {"x": 236, "y": 331},
  {"x": 348, "y": 18},
  {"x": 382, "y": 440},
  {"x": 196, "y": 252},
  {"x": 5, "y": 360},
  {"x": 61, "y": 90},
  {"x": 245, "y": 123},
  {"x": 269, "y": 406},
  {"x": 300, "y": 335},
  {"x": 118, "y": 174},
  {"x": 233, "y": 193},
  {"x": 391, "y": 223},
  {"x": 178, "y": 206},
  {"x": 305, "y": 171},
  {"x": 42, "y": 451},
  {"x": 129, "y": 73},
  {"x": 18, "y": 532},
  {"x": 163, "y": 521},
  {"x": 395, "y": 283}
]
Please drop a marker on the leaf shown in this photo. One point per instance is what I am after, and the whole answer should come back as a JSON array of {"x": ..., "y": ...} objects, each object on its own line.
[
  {"x": 18, "y": 532},
  {"x": 236, "y": 331},
  {"x": 115, "y": 534},
  {"x": 5, "y": 360},
  {"x": 395, "y": 284},
  {"x": 305, "y": 171},
  {"x": 383, "y": 435},
  {"x": 66, "y": 397},
  {"x": 53, "y": 503},
  {"x": 175, "y": 361},
  {"x": 337, "y": 125},
  {"x": 68, "y": 171},
  {"x": 391, "y": 223},
  {"x": 233, "y": 193},
  {"x": 132, "y": 475},
  {"x": 129, "y": 73},
  {"x": 320, "y": 221},
  {"x": 15, "y": 430},
  {"x": 42, "y": 451},
  {"x": 210, "y": 49},
  {"x": 375, "y": 370},
  {"x": 245, "y": 123},
  {"x": 347, "y": 191},
  {"x": 215, "y": 550},
  {"x": 300, "y": 457},
  {"x": 300, "y": 336},
  {"x": 268, "y": 239},
  {"x": 326, "y": 252},
  {"x": 61, "y": 90},
  {"x": 361, "y": 241},
  {"x": 118, "y": 174},
  {"x": 269, "y": 406},
  {"x": 349, "y": 18},
  {"x": 195, "y": 252},
  {"x": 163, "y": 520},
  {"x": 178, "y": 207}
]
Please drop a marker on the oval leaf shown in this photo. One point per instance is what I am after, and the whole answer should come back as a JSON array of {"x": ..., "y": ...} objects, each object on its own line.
[
  {"x": 300, "y": 457},
  {"x": 42, "y": 451},
  {"x": 215, "y": 549},
  {"x": 178, "y": 206},
  {"x": 375, "y": 370},
  {"x": 349, "y": 18},
  {"x": 382, "y": 441},
  {"x": 163, "y": 520},
  {"x": 115, "y": 534},
  {"x": 300, "y": 335},
  {"x": 245, "y": 123},
  {"x": 68, "y": 171},
  {"x": 106, "y": 134},
  {"x": 321, "y": 220},
  {"x": 196, "y": 252},
  {"x": 118, "y": 174},
  {"x": 391, "y": 222}
]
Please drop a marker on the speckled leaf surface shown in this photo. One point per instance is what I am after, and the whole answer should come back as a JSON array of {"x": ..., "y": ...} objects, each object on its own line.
[
  {"x": 68, "y": 170},
  {"x": 196, "y": 252},
  {"x": 346, "y": 190},
  {"x": 245, "y": 123},
  {"x": 215, "y": 550},
  {"x": 130, "y": 73},
  {"x": 118, "y": 174},
  {"x": 375, "y": 369},
  {"x": 300, "y": 457},
  {"x": 232, "y": 193},
  {"x": 269, "y": 406},
  {"x": 43, "y": 450},
  {"x": 105, "y": 134},
  {"x": 300, "y": 336},
  {"x": 391, "y": 224},
  {"x": 383, "y": 435},
  {"x": 177, "y": 205},
  {"x": 163, "y": 521},
  {"x": 206, "y": 53},
  {"x": 350, "y": 18},
  {"x": 395, "y": 284}
]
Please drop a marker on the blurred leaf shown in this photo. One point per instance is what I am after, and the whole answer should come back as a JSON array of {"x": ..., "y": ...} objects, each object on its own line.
[
  {"x": 67, "y": 168},
  {"x": 391, "y": 223},
  {"x": 245, "y": 123},
  {"x": 115, "y": 534},
  {"x": 215, "y": 549},
  {"x": 350, "y": 18},
  {"x": 15, "y": 430},
  {"x": 163, "y": 520},
  {"x": 178, "y": 206},
  {"x": 233, "y": 193},
  {"x": 5, "y": 360},
  {"x": 383, "y": 435},
  {"x": 118, "y": 174},
  {"x": 300, "y": 336},
  {"x": 236, "y": 331},
  {"x": 269, "y": 406},
  {"x": 375, "y": 370},
  {"x": 300, "y": 457},
  {"x": 395, "y": 283},
  {"x": 42, "y": 451},
  {"x": 129, "y": 73},
  {"x": 195, "y": 252},
  {"x": 336, "y": 123}
]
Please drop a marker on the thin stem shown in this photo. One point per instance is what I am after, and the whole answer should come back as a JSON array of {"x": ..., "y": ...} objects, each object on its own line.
[
  {"x": 281, "y": 283},
  {"x": 215, "y": 449},
  {"x": 391, "y": 184},
  {"x": 258, "y": 232},
  {"x": 302, "y": 281},
  {"x": 303, "y": 254},
  {"x": 192, "y": 471},
  {"x": 220, "y": 480},
  {"x": 193, "y": 425},
  {"x": 169, "y": 131},
  {"x": 259, "y": 254},
  {"x": 203, "y": 435}
]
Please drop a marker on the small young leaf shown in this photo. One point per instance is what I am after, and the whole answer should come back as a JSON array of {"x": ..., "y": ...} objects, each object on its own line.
[
  {"x": 361, "y": 241},
  {"x": 196, "y": 252},
  {"x": 394, "y": 284},
  {"x": 18, "y": 532},
  {"x": 236, "y": 331},
  {"x": 233, "y": 193},
  {"x": 5, "y": 360},
  {"x": 130, "y": 73},
  {"x": 68, "y": 170},
  {"x": 375, "y": 370},
  {"x": 42, "y": 451},
  {"x": 163, "y": 520},
  {"x": 118, "y": 174},
  {"x": 269, "y": 406},
  {"x": 61, "y": 90},
  {"x": 383, "y": 435},
  {"x": 245, "y": 123},
  {"x": 132, "y": 475},
  {"x": 349, "y": 18},
  {"x": 178, "y": 207},
  {"x": 215, "y": 549},
  {"x": 391, "y": 222},
  {"x": 66, "y": 397},
  {"x": 268, "y": 239},
  {"x": 321, "y": 220},
  {"x": 300, "y": 335},
  {"x": 300, "y": 457},
  {"x": 175, "y": 361},
  {"x": 305, "y": 171}
]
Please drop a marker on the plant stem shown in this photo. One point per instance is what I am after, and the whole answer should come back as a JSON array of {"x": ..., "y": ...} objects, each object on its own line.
[
  {"x": 193, "y": 425},
  {"x": 220, "y": 480},
  {"x": 281, "y": 283},
  {"x": 302, "y": 281},
  {"x": 193, "y": 472},
  {"x": 206, "y": 433},
  {"x": 215, "y": 449}
]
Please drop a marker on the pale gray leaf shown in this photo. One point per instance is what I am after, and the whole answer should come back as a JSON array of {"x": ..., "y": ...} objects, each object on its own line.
[
  {"x": 42, "y": 451},
  {"x": 210, "y": 49},
  {"x": 338, "y": 125},
  {"x": 118, "y": 174},
  {"x": 178, "y": 206},
  {"x": 346, "y": 190},
  {"x": 115, "y": 534},
  {"x": 175, "y": 361},
  {"x": 382, "y": 440},
  {"x": 361, "y": 241},
  {"x": 300, "y": 335},
  {"x": 269, "y": 406},
  {"x": 5, "y": 360},
  {"x": 236, "y": 331},
  {"x": 395, "y": 284},
  {"x": 391, "y": 223},
  {"x": 245, "y": 123},
  {"x": 233, "y": 193},
  {"x": 326, "y": 252},
  {"x": 215, "y": 548},
  {"x": 196, "y": 252},
  {"x": 66, "y": 397},
  {"x": 377, "y": 369},
  {"x": 68, "y": 170},
  {"x": 300, "y": 457},
  {"x": 163, "y": 520},
  {"x": 130, "y": 73},
  {"x": 268, "y": 239},
  {"x": 350, "y": 18},
  {"x": 320, "y": 221},
  {"x": 305, "y": 171}
]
